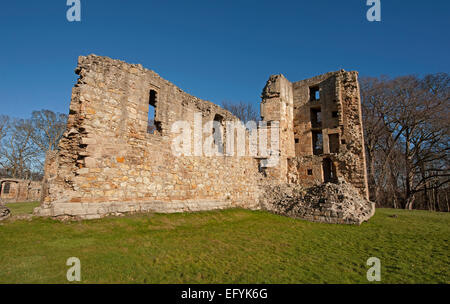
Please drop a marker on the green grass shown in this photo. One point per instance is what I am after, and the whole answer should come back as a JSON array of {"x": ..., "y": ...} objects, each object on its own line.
[
  {"x": 232, "y": 246},
  {"x": 22, "y": 208}
]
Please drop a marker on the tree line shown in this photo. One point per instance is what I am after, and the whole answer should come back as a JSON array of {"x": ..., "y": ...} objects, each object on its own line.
[
  {"x": 406, "y": 125},
  {"x": 25, "y": 142}
]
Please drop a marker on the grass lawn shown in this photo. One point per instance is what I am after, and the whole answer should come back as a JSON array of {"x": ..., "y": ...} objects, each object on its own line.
[
  {"x": 231, "y": 246},
  {"x": 22, "y": 208}
]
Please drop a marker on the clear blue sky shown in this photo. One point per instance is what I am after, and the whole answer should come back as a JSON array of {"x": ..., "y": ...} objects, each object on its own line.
[{"x": 215, "y": 50}]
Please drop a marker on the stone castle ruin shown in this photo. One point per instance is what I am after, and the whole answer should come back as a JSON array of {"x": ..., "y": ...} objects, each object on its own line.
[
  {"x": 108, "y": 163},
  {"x": 14, "y": 190}
]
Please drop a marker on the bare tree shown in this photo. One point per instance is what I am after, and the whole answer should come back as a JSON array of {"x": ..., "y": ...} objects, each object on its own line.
[
  {"x": 24, "y": 142},
  {"x": 4, "y": 124},
  {"x": 48, "y": 128},
  {"x": 18, "y": 152},
  {"x": 407, "y": 134},
  {"x": 242, "y": 110}
]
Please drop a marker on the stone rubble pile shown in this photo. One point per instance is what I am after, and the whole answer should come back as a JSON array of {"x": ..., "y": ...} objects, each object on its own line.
[
  {"x": 339, "y": 203},
  {"x": 4, "y": 212}
]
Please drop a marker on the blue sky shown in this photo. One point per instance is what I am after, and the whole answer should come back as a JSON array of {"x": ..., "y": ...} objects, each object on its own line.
[{"x": 215, "y": 50}]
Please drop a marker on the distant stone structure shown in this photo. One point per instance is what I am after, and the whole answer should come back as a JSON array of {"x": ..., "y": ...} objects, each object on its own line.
[
  {"x": 18, "y": 190},
  {"x": 109, "y": 163}
]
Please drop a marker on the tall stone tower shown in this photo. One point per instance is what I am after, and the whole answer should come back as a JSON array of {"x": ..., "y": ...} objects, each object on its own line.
[
  {"x": 277, "y": 107},
  {"x": 321, "y": 132}
]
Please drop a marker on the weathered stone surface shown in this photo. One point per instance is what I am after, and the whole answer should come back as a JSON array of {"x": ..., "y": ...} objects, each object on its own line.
[
  {"x": 98, "y": 210},
  {"x": 339, "y": 203}
]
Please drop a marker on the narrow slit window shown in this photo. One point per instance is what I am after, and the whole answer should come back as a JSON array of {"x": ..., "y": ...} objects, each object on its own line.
[
  {"x": 153, "y": 126},
  {"x": 314, "y": 93}
]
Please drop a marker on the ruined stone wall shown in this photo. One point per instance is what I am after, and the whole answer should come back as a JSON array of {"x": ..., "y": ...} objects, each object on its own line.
[
  {"x": 334, "y": 115},
  {"x": 277, "y": 106},
  {"x": 305, "y": 104},
  {"x": 321, "y": 138},
  {"x": 108, "y": 163},
  {"x": 352, "y": 161},
  {"x": 18, "y": 190}
]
